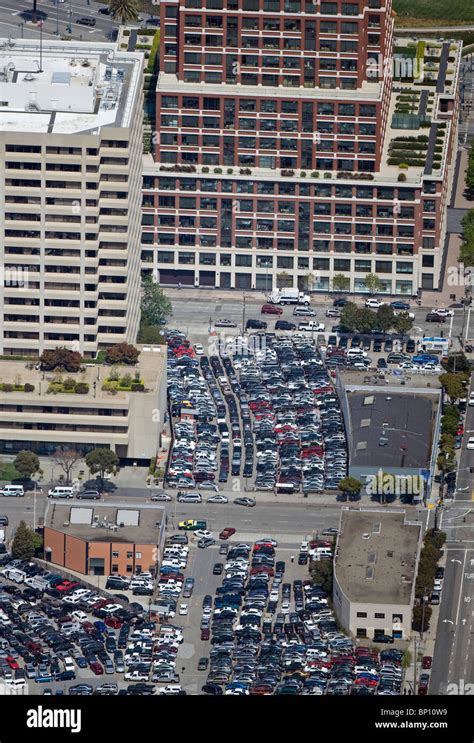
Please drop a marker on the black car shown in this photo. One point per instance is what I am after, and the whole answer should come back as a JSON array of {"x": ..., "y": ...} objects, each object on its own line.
[
  {"x": 218, "y": 568},
  {"x": 377, "y": 345},
  {"x": 203, "y": 664},
  {"x": 434, "y": 317},
  {"x": 383, "y": 638},
  {"x": 341, "y": 302},
  {"x": 284, "y": 325},
  {"x": 257, "y": 324},
  {"x": 410, "y": 345},
  {"x": 381, "y": 364}
]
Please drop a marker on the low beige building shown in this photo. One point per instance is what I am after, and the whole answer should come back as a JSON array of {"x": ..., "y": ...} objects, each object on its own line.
[
  {"x": 375, "y": 568},
  {"x": 44, "y": 420}
]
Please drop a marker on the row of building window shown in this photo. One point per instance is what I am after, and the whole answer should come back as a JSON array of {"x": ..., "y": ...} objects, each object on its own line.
[
  {"x": 288, "y": 6},
  {"x": 207, "y": 103},
  {"x": 288, "y": 188}
]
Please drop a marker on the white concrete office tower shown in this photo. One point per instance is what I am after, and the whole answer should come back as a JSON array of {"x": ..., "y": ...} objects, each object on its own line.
[{"x": 70, "y": 195}]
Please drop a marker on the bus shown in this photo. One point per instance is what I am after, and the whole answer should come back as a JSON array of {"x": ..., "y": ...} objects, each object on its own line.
[{"x": 436, "y": 345}]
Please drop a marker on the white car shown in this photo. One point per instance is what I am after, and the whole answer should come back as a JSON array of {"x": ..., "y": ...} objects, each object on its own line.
[
  {"x": 470, "y": 443},
  {"x": 218, "y": 498},
  {"x": 198, "y": 349},
  {"x": 79, "y": 615},
  {"x": 267, "y": 540},
  {"x": 285, "y": 607},
  {"x": 161, "y": 496},
  {"x": 203, "y": 534},
  {"x": 471, "y": 399},
  {"x": 373, "y": 303},
  {"x": 444, "y": 312},
  {"x": 183, "y": 610}
]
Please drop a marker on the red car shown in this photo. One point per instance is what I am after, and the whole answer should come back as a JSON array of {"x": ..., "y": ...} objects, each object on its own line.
[
  {"x": 113, "y": 622},
  {"x": 67, "y": 585},
  {"x": 12, "y": 662},
  {"x": 97, "y": 668},
  {"x": 426, "y": 662},
  {"x": 271, "y": 309},
  {"x": 205, "y": 634},
  {"x": 227, "y": 533},
  {"x": 423, "y": 690}
]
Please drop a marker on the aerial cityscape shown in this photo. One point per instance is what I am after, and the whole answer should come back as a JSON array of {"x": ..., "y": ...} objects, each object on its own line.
[{"x": 245, "y": 336}]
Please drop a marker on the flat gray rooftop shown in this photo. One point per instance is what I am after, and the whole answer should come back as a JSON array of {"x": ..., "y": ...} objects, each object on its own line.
[
  {"x": 391, "y": 429},
  {"x": 376, "y": 556},
  {"x": 85, "y": 520}
]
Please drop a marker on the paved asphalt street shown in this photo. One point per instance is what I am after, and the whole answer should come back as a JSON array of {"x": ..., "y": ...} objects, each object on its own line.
[
  {"x": 455, "y": 633},
  {"x": 55, "y": 17}
]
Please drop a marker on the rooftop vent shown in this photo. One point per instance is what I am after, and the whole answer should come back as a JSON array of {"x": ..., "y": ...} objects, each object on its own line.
[
  {"x": 390, "y": 553},
  {"x": 369, "y": 573},
  {"x": 366, "y": 535},
  {"x": 376, "y": 528},
  {"x": 29, "y": 77}
]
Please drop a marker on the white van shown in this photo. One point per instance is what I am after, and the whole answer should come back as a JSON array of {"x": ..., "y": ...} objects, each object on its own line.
[
  {"x": 351, "y": 352},
  {"x": 17, "y": 491},
  {"x": 61, "y": 491},
  {"x": 189, "y": 498},
  {"x": 18, "y": 576},
  {"x": 36, "y": 582},
  {"x": 69, "y": 664}
]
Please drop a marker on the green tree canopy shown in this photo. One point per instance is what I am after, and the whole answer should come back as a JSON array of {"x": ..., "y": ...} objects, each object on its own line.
[
  {"x": 23, "y": 546},
  {"x": 125, "y": 11},
  {"x": 26, "y": 463},
  {"x": 102, "y": 462},
  {"x": 457, "y": 362},
  {"x": 349, "y": 316},
  {"x": 350, "y": 486},
  {"x": 454, "y": 385},
  {"x": 155, "y": 306},
  {"x": 322, "y": 574},
  {"x": 340, "y": 282},
  {"x": 403, "y": 323},
  {"x": 385, "y": 317},
  {"x": 373, "y": 283}
]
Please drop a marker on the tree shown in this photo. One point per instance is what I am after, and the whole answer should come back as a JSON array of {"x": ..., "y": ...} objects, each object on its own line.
[
  {"x": 470, "y": 170},
  {"x": 340, "y": 282},
  {"x": 102, "y": 461},
  {"x": 466, "y": 254},
  {"x": 125, "y": 11},
  {"x": 60, "y": 358},
  {"x": 122, "y": 353},
  {"x": 366, "y": 320},
  {"x": 284, "y": 279},
  {"x": 385, "y": 317},
  {"x": 457, "y": 362},
  {"x": 26, "y": 463},
  {"x": 66, "y": 459},
  {"x": 373, "y": 283},
  {"x": 454, "y": 385},
  {"x": 156, "y": 306},
  {"x": 150, "y": 334},
  {"x": 349, "y": 316},
  {"x": 350, "y": 486},
  {"x": 23, "y": 546},
  {"x": 421, "y": 613},
  {"x": 402, "y": 323},
  {"x": 322, "y": 574}
]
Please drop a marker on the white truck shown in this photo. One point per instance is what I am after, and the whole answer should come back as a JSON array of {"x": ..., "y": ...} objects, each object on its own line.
[{"x": 289, "y": 296}]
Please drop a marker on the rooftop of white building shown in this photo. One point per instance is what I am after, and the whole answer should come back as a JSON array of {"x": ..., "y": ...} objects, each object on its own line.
[{"x": 66, "y": 87}]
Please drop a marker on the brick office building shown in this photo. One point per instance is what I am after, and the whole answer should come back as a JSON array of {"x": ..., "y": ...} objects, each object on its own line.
[
  {"x": 105, "y": 539},
  {"x": 280, "y": 135}
]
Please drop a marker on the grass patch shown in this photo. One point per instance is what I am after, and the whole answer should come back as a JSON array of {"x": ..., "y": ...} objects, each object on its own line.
[
  {"x": 433, "y": 12},
  {"x": 8, "y": 472}
]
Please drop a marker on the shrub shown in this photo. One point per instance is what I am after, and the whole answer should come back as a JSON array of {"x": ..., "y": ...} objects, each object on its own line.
[
  {"x": 328, "y": 175},
  {"x": 138, "y": 387},
  {"x": 287, "y": 173},
  {"x": 230, "y": 171},
  {"x": 205, "y": 169},
  {"x": 402, "y": 177},
  {"x": 303, "y": 174},
  {"x": 29, "y": 387},
  {"x": 315, "y": 174},
  {"x": 7, "y": 387},
  {"x": 217, "y": 170},
  {"x": 69, "y": 384},
  {"x": 82, "y": 388},
  {"x": 126, "y": 32},
  {"x": 109, "y": 385},
  {"x": 126, "y": 380}
]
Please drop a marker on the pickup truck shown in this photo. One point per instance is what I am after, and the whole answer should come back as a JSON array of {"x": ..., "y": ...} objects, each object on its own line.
[{"x": 311, "y": 325}]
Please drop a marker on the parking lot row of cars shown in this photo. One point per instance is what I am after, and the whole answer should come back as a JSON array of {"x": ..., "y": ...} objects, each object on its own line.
[
  {"x": 297, "y": 422},
  {"x": 56, "y": 629},
  {"x": 268, "y": 636}
]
